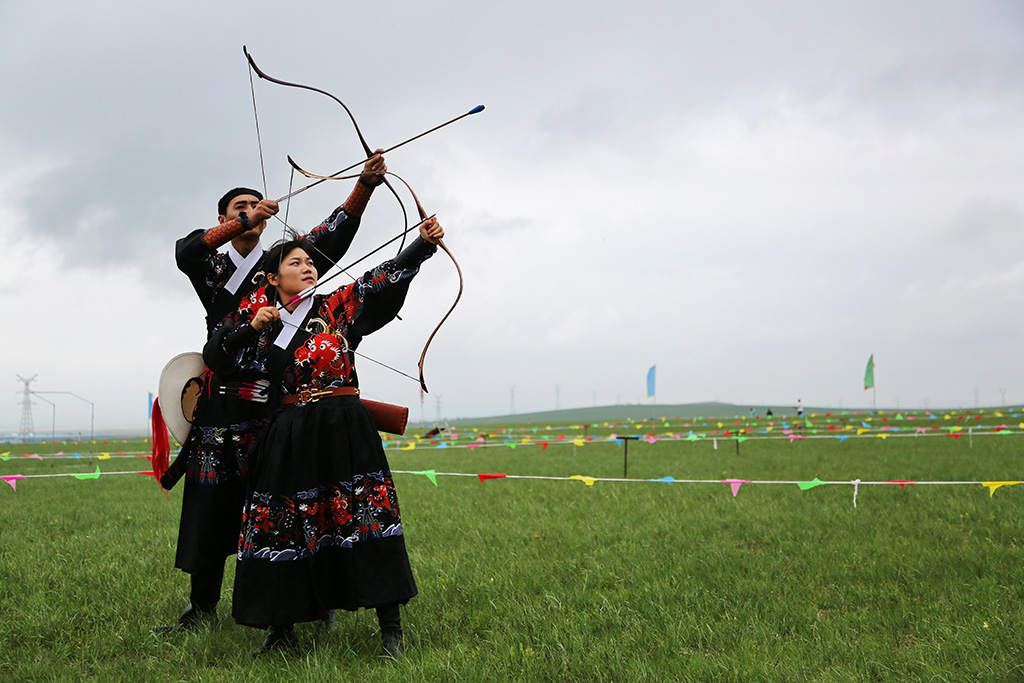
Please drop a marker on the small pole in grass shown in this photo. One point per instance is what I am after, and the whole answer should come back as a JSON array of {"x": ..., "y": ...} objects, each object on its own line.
[{"x": 625, "y": 454}]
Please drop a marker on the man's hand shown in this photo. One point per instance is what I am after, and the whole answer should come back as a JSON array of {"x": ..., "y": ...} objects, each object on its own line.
[
  {"x": 265, "y": 317},
  {"x": 431, "y": 230},
  {"x": 374, "y": 168},
  {"x": 264, "y": 210}
]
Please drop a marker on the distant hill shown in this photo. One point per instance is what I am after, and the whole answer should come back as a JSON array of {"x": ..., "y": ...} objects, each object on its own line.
[{"x": 635, "y": 412}]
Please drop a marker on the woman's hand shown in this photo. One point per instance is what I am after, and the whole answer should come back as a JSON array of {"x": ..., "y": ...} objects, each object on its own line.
[
  {"x": 265, "y": 317},
  {"x": 431, "y": 230}
]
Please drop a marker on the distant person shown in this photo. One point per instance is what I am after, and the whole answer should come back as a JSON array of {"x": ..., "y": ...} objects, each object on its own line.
[
  {"x": 753, "y": 413},
  {"x": 769, "y": 413},
  {"x": 799, "y": 408}
]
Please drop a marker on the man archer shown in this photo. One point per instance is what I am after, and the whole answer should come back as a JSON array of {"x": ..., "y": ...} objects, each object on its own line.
[{"x": 229, "y": 415}]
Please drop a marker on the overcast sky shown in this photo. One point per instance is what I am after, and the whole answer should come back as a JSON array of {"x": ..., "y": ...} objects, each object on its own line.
[{"x": 754, "y": 196}]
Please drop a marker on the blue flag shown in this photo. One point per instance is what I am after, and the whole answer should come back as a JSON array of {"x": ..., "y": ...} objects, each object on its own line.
[
  {"x": 150, "y": 416},
  {"x": 650, "y": 381}
]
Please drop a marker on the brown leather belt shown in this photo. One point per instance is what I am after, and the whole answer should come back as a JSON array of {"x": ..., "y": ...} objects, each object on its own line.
[{"x": 314, "y": 395}]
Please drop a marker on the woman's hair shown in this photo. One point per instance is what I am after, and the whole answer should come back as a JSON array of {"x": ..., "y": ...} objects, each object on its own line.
[{"x": 275, "y": 256}]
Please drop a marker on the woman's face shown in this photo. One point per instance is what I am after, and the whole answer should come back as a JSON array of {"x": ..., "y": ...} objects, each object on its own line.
[{"x": 296, "y": 273}]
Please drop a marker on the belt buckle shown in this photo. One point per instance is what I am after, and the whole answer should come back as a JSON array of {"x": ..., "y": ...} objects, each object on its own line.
[
  {"x": 311, "y": 395},
  {"x": 305, "y": 396}
]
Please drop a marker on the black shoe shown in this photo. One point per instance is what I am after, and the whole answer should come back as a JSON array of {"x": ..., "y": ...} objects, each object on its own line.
[
  {"x": 190, "y": 620},
  {"x": 391, "y": 645},
  {"x": 278, "y": 638}
]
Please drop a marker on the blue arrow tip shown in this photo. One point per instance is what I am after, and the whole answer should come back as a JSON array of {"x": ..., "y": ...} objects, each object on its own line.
[{"x": 477, "y": 109}]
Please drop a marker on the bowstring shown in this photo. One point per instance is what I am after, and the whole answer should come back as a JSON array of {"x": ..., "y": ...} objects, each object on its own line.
[
  {"x": 259, "y": 140},
  {"x": 361, "y": 355}
]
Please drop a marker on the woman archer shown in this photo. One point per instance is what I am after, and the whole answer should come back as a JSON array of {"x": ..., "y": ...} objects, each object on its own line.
[{"x": 321, "y": 528}]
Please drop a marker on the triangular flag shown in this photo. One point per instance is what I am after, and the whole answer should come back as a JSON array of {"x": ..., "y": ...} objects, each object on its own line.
[
  {"x": 804, "y": 485},
  {"x": 735, "y": 484},
  {"x": 484, "y": 477},
  {"x": 12, "y": 479},
  {"x": 589, "y": 481},
  {"x": 94, "y": 475},
  {"x": 993, "y": 485},
  {"x": 429, "y": 474},
  {"x": 902, "y": 482}
]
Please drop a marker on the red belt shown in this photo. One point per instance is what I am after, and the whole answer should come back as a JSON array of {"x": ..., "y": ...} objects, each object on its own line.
[{"x": 314, "y": 395}]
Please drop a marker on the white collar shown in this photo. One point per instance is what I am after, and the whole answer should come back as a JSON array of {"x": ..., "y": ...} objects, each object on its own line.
[
  {"x": 292, "y": 321},
  {"x": 243, "y": 265}
]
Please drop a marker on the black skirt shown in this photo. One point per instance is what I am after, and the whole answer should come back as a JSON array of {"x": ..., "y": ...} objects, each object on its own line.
[{"x": 321, "y": 527}]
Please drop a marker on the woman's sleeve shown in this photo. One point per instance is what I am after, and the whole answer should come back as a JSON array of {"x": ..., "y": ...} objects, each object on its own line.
[
  {"x": 385, "y": 287},
  {"x": 232, "y": 347}
]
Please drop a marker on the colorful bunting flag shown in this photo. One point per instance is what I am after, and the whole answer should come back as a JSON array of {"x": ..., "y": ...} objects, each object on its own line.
[
  {"x": 12, "y": 479},
  {"x": 993, "y": 485},
  {"x": 94, "y": 475},
  {"x": 735, "y": 484}
]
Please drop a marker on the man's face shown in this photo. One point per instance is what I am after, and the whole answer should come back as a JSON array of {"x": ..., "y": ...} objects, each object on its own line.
[{"x": 243, "y": 203}]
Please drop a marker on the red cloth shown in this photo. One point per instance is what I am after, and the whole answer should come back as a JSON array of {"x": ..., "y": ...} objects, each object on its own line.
[{"x": 161, "y": 456}]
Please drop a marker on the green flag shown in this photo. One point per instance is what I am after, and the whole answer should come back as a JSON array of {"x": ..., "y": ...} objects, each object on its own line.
[{"x": 869, "y": 374}]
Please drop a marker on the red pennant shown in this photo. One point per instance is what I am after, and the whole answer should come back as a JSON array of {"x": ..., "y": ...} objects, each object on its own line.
[{"x": 484, "y": 477}]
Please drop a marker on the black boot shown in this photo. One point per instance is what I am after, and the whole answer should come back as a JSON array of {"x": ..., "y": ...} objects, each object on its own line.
[
  {"x": 204, "y": 595},
  {"x": 278, "y": 638},
  {"x": 389, "y": 619},
  {"x": 190, "y": 620},
  {"x": 391, "y": 644}
]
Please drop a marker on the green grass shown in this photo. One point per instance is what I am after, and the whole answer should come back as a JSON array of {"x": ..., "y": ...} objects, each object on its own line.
[{"x": 524, "y": 579}]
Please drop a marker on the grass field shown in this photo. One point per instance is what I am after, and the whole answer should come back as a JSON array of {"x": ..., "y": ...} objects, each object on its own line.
[{"x": 554, "y": 580}]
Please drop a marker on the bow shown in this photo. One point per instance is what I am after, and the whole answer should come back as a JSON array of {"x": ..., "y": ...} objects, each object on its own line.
[
  {"x": 440, "y": 243},
  {"x": 352, "y": 118},
  {"x": 369, "y": 153}
]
